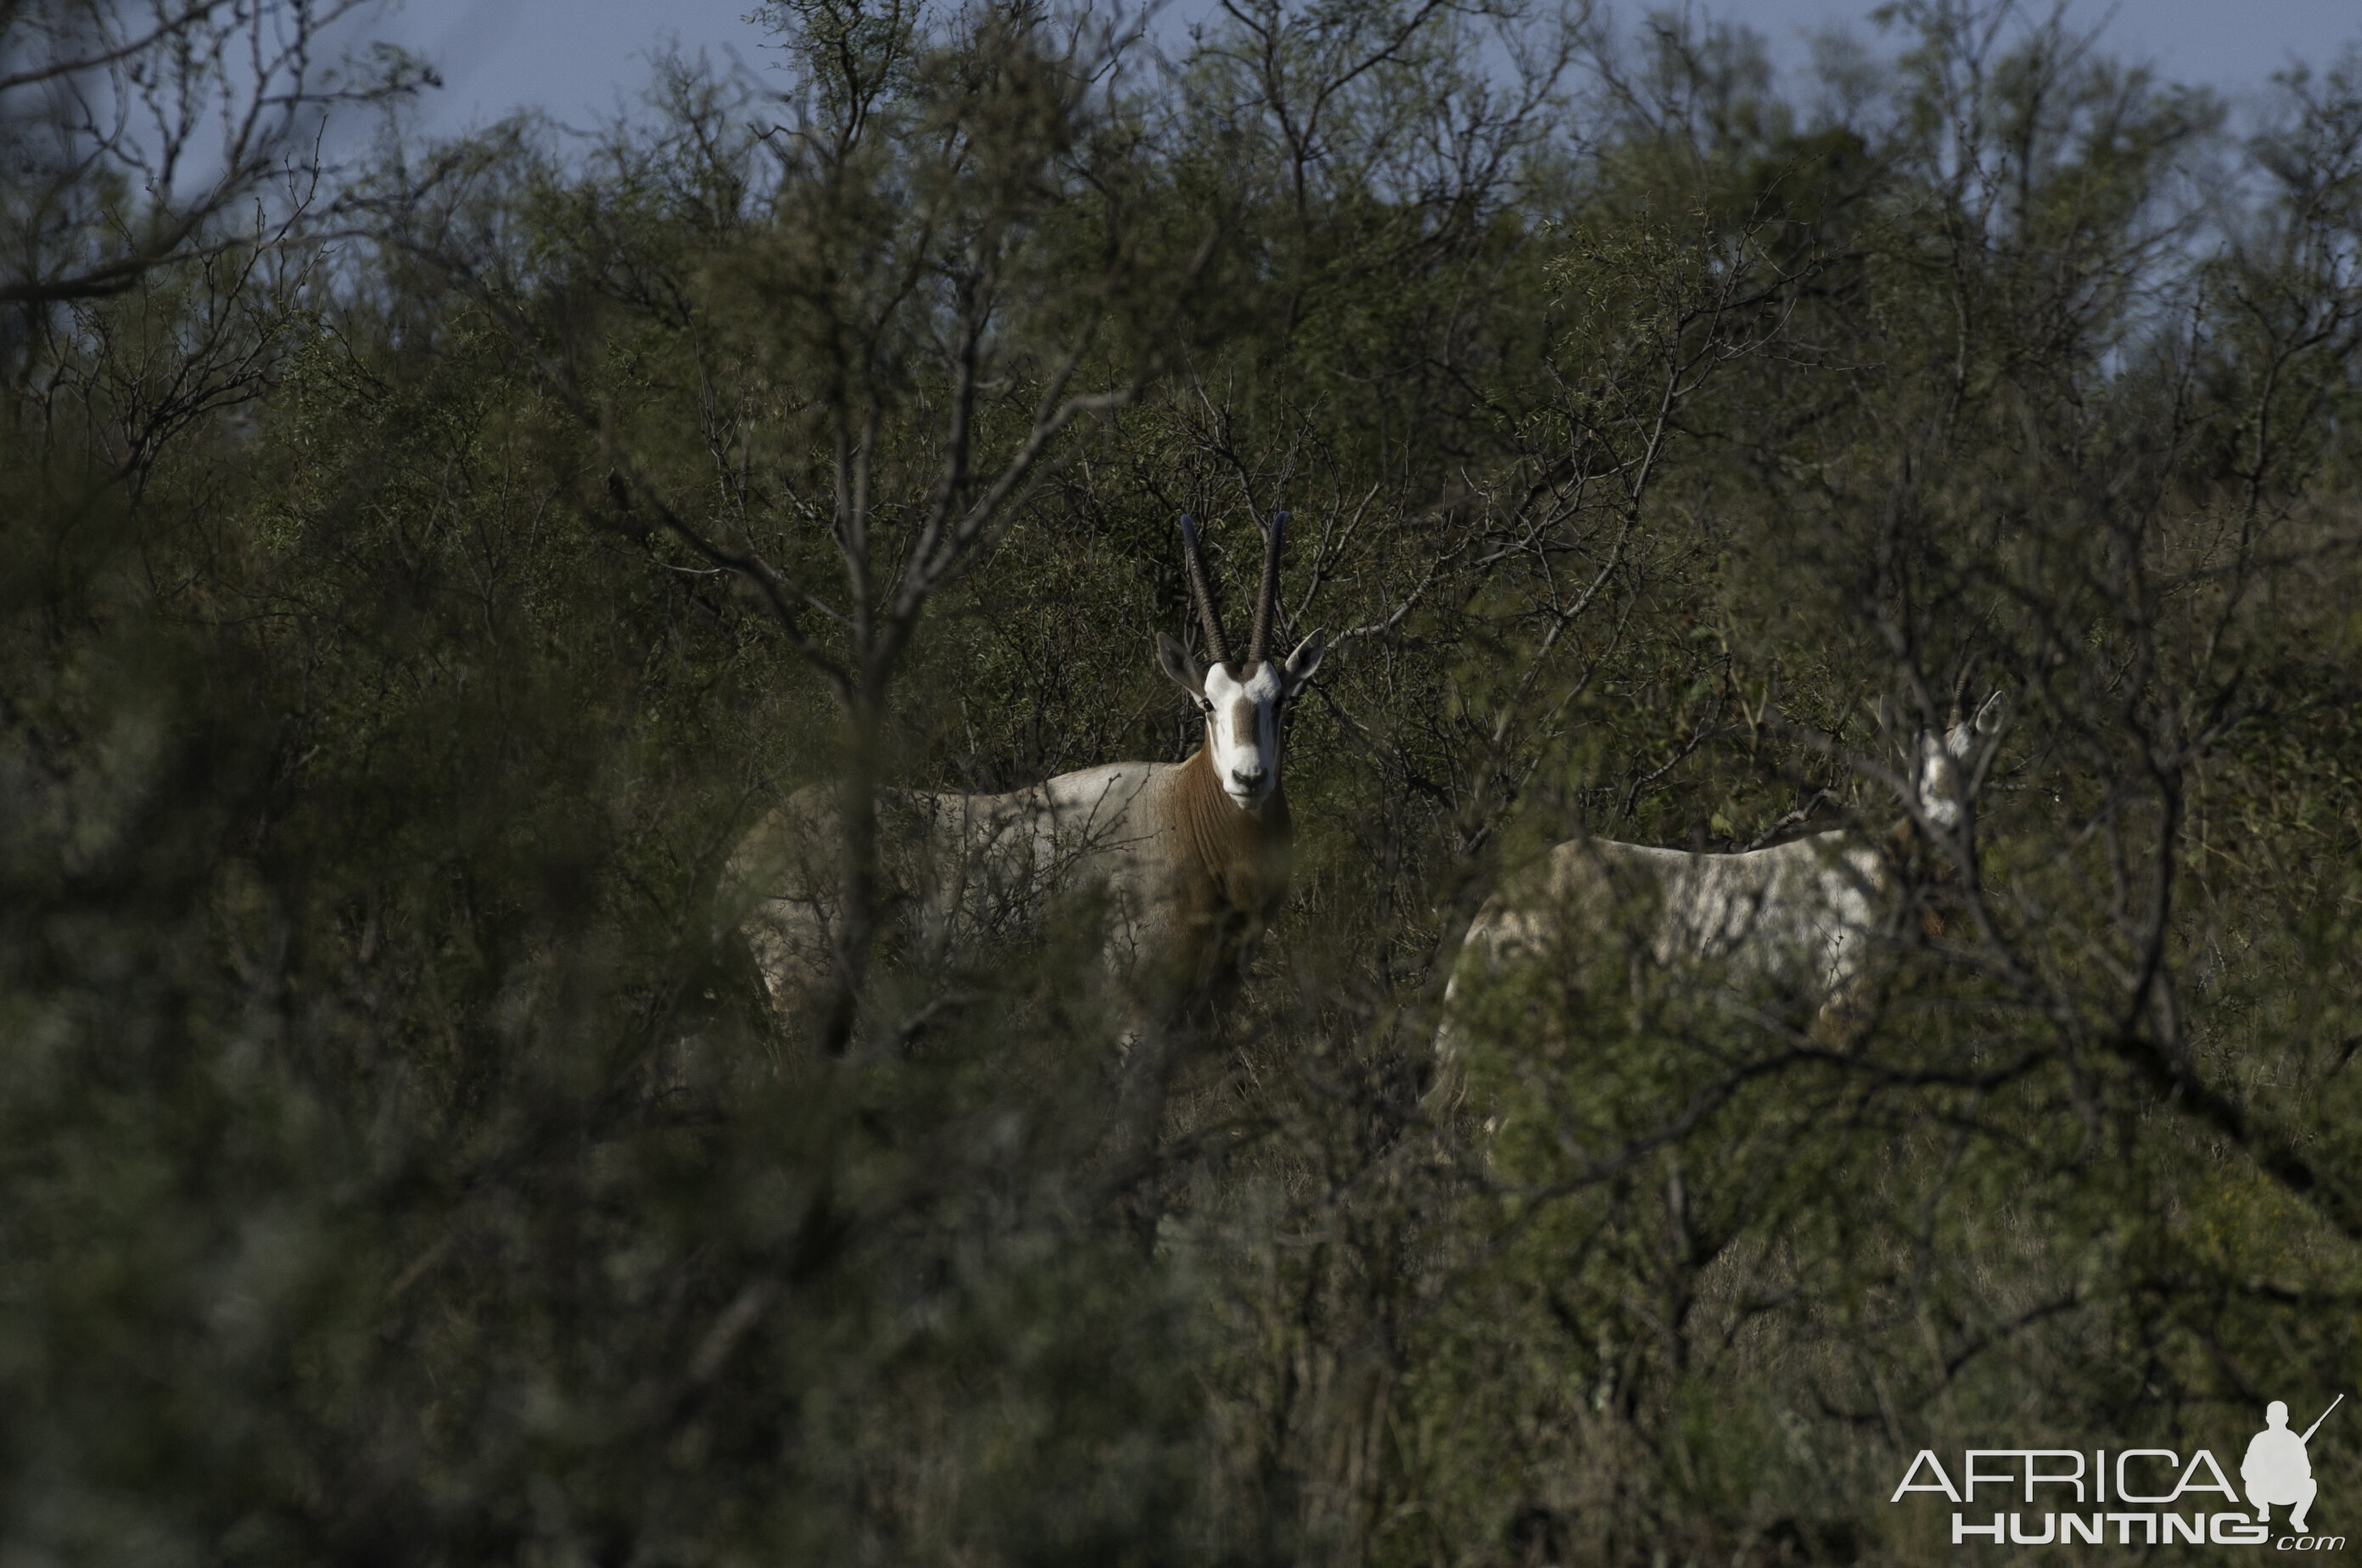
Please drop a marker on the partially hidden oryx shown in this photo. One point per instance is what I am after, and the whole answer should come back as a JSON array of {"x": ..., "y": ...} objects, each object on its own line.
[
  {"x": 1799, "y": 917},
  {"x": 1191, "y": 856}
]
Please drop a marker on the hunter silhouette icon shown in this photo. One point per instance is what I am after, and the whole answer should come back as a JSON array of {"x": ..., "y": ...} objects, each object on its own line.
[{"x": 2277, "y": 1469}]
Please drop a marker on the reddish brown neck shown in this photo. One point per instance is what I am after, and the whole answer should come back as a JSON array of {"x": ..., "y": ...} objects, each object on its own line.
[{"x": 1238, "y": 856}]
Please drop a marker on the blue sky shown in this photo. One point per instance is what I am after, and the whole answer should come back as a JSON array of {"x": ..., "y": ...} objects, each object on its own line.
[{"x": 579, "y": 58}]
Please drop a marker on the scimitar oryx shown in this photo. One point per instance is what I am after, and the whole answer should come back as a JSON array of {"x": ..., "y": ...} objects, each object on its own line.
[
  {"x": 1191, "y": 856},
  {"x": 1800, "y": 917}
]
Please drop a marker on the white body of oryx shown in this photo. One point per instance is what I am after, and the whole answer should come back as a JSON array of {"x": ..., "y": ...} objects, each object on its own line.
[
  {"x": 1801, "y": 917},
  {"x": 1188, "y": 875},
  {"x": 1189, "y": 857}
]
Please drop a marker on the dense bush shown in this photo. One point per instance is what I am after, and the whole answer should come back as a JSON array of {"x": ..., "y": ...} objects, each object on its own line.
[{"x": 410, "y": 599}]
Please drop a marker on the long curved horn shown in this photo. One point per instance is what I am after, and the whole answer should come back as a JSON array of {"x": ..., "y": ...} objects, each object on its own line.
[
  {"x": 1217, "y": 648},
  {"x": 1259, "y": 646}
]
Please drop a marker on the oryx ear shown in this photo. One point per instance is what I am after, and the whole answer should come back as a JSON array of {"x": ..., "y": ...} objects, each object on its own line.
[
  {"x": 1961, "y": 739},
  {"x": 1179, "y": 667},
  {"x": 1300, "y": 664}
]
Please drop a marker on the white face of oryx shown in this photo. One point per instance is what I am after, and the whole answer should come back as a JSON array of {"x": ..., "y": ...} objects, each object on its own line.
[
  {"x": 1243, "y": 714},
  {"x": 1943, "y": 765}
]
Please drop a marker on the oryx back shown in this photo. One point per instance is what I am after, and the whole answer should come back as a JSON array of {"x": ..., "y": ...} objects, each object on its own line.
[{"x": 1797, "y": 916}]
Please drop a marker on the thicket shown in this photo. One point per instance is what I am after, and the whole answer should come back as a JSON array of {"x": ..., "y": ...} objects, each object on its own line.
[{"x": 416, "y": 576}]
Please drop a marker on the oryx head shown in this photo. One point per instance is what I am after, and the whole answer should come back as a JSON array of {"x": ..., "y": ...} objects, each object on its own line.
[
  {"x": 1946, "y": 767},
  {"x": 1243, "y": 700}
]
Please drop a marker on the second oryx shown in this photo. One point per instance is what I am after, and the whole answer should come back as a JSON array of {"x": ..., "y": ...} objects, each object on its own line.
[
  {"x": 1191, "y": 856},
  {"x": 1799, "y": 917}
]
